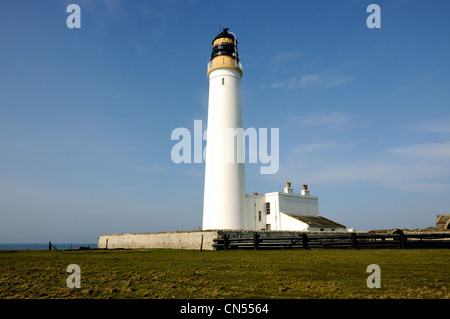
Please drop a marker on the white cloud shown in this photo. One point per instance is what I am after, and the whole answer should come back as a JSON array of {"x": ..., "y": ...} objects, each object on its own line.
[
  {"x": 318, "y": 80},
  {"x": 395, "y": 175},
  {"x": 411, "y": 168},
  {"x": 320, "y": 121},
  {"x": 284, "y": 57},
  {"x": 441, "y": 126},
  {"x": 433, "y": 151},
  {"x": 316, "y": 147},
  {"x": 147, "y": 169},
  {"x": 324, "y": 120}
]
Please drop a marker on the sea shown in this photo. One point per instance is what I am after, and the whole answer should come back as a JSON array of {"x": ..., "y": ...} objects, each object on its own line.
[{"x": 44, "y": 246}]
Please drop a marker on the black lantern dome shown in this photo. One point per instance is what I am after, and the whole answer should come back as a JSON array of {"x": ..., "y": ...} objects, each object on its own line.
[{"x": 225, "y": 44}]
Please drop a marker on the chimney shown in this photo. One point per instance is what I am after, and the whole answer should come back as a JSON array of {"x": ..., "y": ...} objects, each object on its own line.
[
  {"x": 288, "y": 189},
  {"x": 305, "y": 191}
]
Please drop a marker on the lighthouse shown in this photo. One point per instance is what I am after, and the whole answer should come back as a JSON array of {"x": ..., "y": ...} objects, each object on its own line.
[
  {"x": 224, "y": 192},
  {"x": 226, "y": 206}
]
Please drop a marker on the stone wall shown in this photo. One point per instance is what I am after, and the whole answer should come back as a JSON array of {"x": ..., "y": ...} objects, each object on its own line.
[
  {"x": 443, "y": 221},
  {"x": 169, "y": 240}
]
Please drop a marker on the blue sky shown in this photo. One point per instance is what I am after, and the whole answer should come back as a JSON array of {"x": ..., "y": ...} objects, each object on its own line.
[{"x": 86, "y": 114}]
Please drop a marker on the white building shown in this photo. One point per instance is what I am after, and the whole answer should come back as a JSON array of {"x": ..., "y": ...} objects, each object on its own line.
[
  {"x": 287, "y": 211},
  {"x": 225, "y": 204}
]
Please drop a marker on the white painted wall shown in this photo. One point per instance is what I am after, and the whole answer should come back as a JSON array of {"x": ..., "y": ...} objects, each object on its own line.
[
  {"x": 254, "y": 205},
  {"x": 290, "y": 204},
  {"x": 274, "y": 217},
  {"x": 298, "y": 204},
  {"x": 289, "y": 223},
  {"x": 224, "y": 192}
]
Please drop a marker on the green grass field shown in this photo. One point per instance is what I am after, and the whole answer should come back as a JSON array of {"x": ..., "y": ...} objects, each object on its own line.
[{"x": 182, "y": 274}]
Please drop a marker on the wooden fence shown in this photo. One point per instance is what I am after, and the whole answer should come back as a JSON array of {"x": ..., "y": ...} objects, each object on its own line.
[{"x": 337, "y": 240}]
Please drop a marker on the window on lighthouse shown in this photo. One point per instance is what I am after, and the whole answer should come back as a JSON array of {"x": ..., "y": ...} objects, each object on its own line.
[{"x": 223, "y": 81}]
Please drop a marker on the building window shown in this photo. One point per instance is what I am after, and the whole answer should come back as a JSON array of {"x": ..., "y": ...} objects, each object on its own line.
[
  {"x": 223, "y": 81},
  {"x": 267, "y": 208},
  {"x": 259, "y": 215}
]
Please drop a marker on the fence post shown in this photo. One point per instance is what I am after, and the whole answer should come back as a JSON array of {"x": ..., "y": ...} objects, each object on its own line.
[
  {"x": 402, "y": 239},
  {"x": 255, "y": 241},
  {"x": 305, "y": 241},
  {"x": 353, "y": 238},
  {"x": 225, "y": 241}
]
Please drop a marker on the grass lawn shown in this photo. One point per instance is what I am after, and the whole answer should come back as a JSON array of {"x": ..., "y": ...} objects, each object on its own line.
[{"x": 183, "y": 274}]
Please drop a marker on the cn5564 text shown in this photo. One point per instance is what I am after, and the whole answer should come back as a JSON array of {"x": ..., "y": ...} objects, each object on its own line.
[{"x": 246, "y": 308}]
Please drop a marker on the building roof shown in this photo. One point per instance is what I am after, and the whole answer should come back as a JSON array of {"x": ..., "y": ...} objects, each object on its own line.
[
  {"x": 316, "y": 221},
  {"x": 291, "y": 195}
]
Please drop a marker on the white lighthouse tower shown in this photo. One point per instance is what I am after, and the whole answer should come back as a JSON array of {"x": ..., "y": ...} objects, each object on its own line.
[{"x": 224, "y": 193}]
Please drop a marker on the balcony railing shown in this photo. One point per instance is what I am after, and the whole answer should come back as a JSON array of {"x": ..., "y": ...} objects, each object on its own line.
[{"x": 225, "y": 61}]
